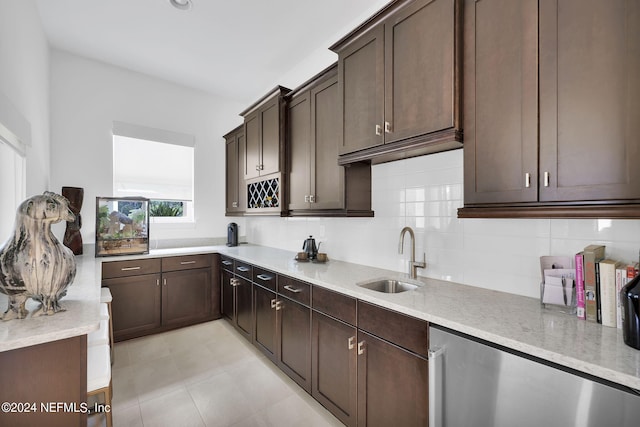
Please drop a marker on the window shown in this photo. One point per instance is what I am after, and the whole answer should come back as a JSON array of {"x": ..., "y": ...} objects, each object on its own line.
[
  {"x": 12, "y": 187},
  {"x": 157, "y": 165},
  {"x": 15, "y": 137}
]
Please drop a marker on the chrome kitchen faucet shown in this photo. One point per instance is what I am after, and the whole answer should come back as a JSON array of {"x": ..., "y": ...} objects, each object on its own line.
[{"x": 413, "y": 265}]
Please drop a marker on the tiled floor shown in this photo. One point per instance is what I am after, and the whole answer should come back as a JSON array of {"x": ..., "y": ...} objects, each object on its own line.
[{"x": 205, "y": 375}]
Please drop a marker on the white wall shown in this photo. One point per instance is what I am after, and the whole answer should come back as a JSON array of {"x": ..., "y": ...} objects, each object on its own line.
[
  {"x": 424, "y": 193},
  {"x": 24, "y": 81},
  {"x": 87, "y": 96}
]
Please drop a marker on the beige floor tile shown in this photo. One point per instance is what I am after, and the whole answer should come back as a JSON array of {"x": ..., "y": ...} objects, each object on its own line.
[
  {"x": 209, "y": 375},
  {"x": 121, "y": 356},
  {"x": 180, "y": 340},
  {"x": 220, "y": 401},
  {"x": 124, "y": 390},
  {"x": 172, "y": 409},
  {"x": 128, "y": 417},
  {"x": 255, "y": 420},
  {"x": 156, "y": 377},
  {"x": 295, "y": 411},
  {"x": 229, "y": 350},
  {"x": 196, "y": 364},
  {"x": 148, "y": 348},
  {"x": 260, "y": 384}
]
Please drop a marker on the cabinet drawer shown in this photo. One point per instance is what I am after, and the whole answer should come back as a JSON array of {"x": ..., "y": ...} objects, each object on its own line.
[
  {"x": 226, "y": 263},
  {"x": 294, "y": 289},
  {"x": 334, "y": 304},
  {"x": 405, "y": 331},
  {"x": 242, "y": 269},
  {"x": 186, "y": 262},
  {"x": 132, "y": 267},
  {"x": 264, "y": 278}
]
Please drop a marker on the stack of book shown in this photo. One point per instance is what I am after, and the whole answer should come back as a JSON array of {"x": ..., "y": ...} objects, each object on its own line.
[{"x": 598, "y": 282}]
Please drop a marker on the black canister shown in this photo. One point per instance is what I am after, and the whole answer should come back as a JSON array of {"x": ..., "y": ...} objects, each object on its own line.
[
  {"x": 630, "y": 297},
  {"x": 232, "y": 234}
]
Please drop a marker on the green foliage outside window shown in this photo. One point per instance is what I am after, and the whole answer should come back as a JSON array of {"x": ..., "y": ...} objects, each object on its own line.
[{"x": 166, "y": 208}]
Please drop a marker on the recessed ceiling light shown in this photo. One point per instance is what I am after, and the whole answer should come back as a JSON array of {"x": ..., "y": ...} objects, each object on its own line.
[{"x": 181, "y": 4}]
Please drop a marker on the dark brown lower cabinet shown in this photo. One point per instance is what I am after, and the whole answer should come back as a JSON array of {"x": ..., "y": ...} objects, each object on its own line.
[
  {"x": 42, "y": 376},
  {"x": 334, "y": 358},
  {"x": 392, "y": 384},
  {"x": 294, "y": 341},
  {"x": 153, "y": 295},
  {"x": 227, "y": 295},
  {"x": 236, "y": 302},
  {"x": 186, "y": 296},
  {"x": 264, "y": 332},
  {"x": 136, "y": 305},
  {"x": 243, "y": 307}
]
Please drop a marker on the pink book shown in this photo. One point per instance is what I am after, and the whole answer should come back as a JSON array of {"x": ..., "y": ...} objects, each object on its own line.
[{"x": 580, "y": 307}]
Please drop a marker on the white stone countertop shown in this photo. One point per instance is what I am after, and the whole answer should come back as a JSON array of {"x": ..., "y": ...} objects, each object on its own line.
[
  {"x": 82, "y": 315},
  {"x": 512, "y": 321}
]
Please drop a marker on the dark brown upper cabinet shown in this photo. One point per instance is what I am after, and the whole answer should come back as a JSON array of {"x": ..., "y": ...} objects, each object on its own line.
[
  {"x": 399, "y": 74},
  {"x": 263, "y": 164},
  {"x": 236, "y": 195},
  {"x": 264, "y": 129},
  {"x": 317, "y": 184},
  {"x": 552, "y": 100}
]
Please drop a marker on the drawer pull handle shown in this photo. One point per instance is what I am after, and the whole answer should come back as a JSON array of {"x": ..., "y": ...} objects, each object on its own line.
[
  {"x": 225, "y": 262},
  {"x": 378, "y": 130},
  {"x": 130, "y": 268},
  {"x": 187, "y": 262},
  {"x": 292, "y": 289},
  {"x": 278, "y": 305},
  {"x": 361, "y": 346},
  {"x": 264, "y": 277},
  {"x": 273, "y": 303},
  {"x": 164, "y": 282},
  {"x": 351, "y": 342},
  {"x": 157, "y": 282},
  {"x": 243, "y": 269}
]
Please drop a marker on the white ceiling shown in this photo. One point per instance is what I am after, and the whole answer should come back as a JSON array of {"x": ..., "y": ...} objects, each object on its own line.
[{"x": 238, "y": 49}]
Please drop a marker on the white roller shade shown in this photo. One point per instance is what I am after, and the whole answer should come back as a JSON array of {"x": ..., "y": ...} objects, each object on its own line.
[{"x": 151, "y": 169}]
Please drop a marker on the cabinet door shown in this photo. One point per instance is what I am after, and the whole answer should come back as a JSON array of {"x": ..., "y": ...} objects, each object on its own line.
[
  {"x": 232, "y": 167},
  {"x": 294, "y": 347},
  {"x": 327, "y": 177},
  {"x": 236, "y": 198},
  {"x": 419, "y": 69},
  {"x": 244, "y": 307},
  {"x": 270, "y": 154},
  {"x": 392, "y": 385},
  {"x": 590, "y": 100},
  {"x": 227, "y": 296},
  {"x": 500, "y": 101},
  {"x": 264, "y": 331},
  {"x": 252, "y": 134},
  {"x": 186, "y": 296},
  {"x": 334, "y": 367},
  {"x": 361, "y": 76},
  {"x": 300, "y": 151},
  {"x": 242, "y": 187},
  {"x": 135, "y": 306}
]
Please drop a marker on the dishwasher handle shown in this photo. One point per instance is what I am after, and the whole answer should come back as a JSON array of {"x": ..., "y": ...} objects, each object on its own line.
[{"x": 436, "y": 387}]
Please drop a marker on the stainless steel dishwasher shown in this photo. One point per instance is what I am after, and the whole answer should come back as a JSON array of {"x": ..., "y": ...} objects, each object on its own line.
[{"x": 472, "y": 383}]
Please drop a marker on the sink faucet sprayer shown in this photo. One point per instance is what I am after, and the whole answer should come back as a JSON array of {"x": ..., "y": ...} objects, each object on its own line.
[{"x": 413, "y": 265}]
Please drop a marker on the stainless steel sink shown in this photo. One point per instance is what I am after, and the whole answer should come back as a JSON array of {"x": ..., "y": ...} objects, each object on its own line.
[{"x": 388, "y": 286}]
